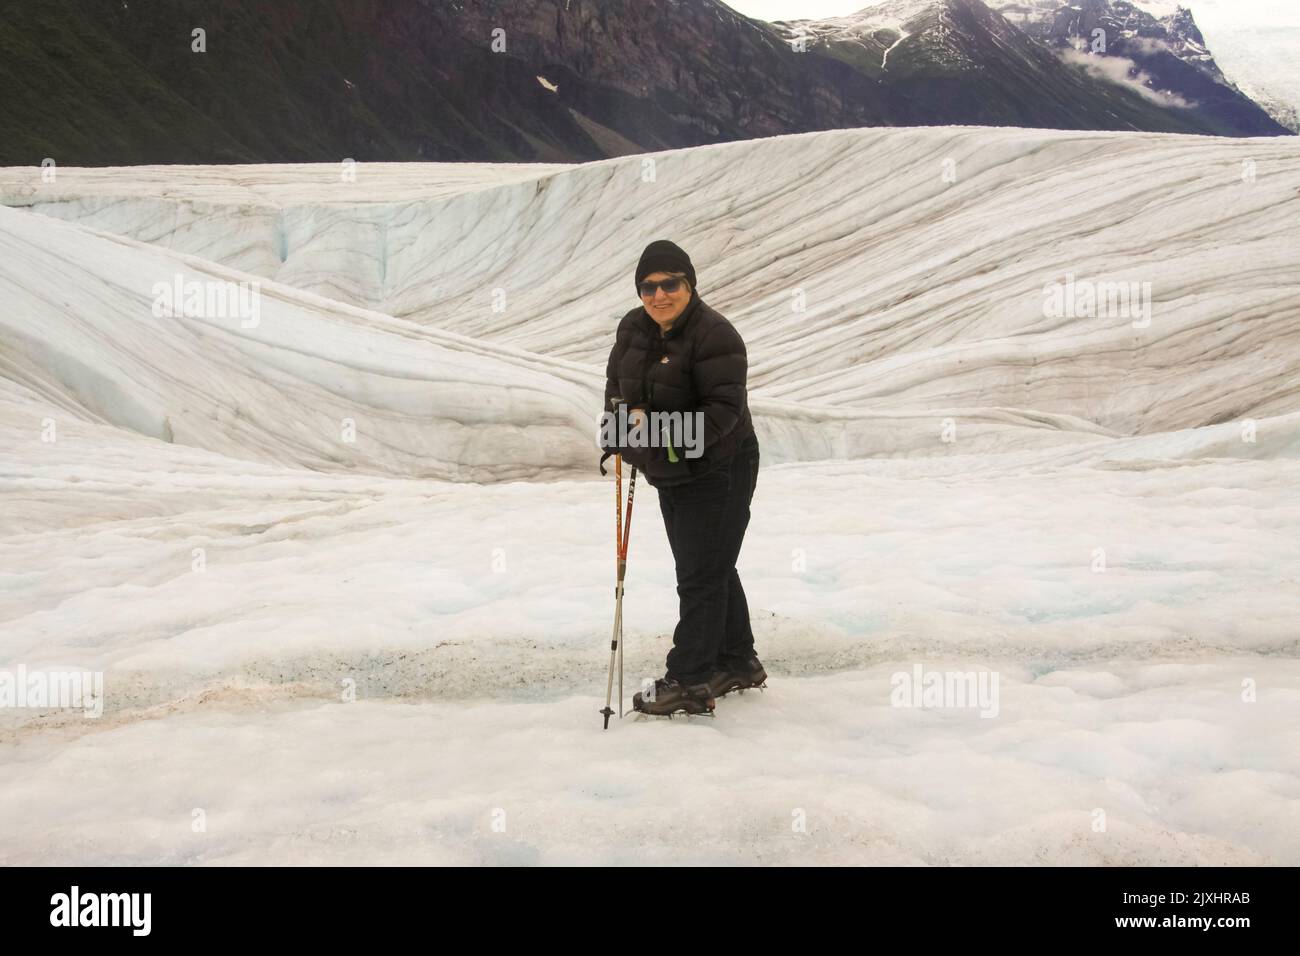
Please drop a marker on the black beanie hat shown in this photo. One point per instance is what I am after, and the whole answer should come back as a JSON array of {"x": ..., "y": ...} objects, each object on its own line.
[{"x": 664, "y": 256}]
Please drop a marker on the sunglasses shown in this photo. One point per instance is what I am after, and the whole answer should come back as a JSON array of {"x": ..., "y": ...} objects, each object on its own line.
[{"x": 670, "y": 286}]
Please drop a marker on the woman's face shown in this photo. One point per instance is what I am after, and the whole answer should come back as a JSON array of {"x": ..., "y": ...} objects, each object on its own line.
[{"x": 662, "y": 306}]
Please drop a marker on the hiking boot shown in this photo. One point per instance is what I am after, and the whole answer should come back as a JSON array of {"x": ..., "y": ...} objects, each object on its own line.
[
  {"x": 671, "y": 697},
  {"x": 741, "y": 675}
]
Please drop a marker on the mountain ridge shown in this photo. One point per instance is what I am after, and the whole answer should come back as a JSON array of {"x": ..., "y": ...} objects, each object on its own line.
[{"x": 508, "y": 81}]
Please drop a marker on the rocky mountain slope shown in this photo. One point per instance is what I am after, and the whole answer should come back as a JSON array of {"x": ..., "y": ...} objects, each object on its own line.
[{"x": 95, "y": 83}]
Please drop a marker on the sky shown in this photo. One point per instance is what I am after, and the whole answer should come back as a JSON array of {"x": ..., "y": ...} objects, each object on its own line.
[{"x": 799, "y": 10}]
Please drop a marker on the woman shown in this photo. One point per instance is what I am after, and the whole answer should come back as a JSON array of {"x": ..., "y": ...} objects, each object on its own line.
[{"x": 676, "y": 354}]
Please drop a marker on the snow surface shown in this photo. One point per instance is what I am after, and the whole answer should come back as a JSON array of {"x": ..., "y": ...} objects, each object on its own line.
[{"x": 1112, "y": 528}]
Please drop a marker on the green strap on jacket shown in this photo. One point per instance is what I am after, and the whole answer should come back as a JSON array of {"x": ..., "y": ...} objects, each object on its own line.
[{"x": 650, "y": 393}]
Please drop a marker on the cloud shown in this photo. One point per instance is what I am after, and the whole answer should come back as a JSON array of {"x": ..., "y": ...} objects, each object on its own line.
[
  {"x": 1150, "y": 45},
  {"x": 1122, "y": 71}
]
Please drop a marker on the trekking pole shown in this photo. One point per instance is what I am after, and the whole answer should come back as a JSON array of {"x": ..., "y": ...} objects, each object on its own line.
[
  {"x": 622, "y": 573},
  {"x": 622, "y": 532},
  {"x": 618, "y": 586},
  {"x": 621, "y": 570}
]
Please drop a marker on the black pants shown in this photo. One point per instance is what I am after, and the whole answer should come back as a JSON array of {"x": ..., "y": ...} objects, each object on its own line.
[{"x": 706, "y": 520}]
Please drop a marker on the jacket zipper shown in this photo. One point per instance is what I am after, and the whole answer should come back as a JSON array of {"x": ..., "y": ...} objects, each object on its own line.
[{"x": 648, "y": 385}]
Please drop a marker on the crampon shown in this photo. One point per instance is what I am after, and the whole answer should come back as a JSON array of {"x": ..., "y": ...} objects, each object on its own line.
[{"x": 670, "y": 698}]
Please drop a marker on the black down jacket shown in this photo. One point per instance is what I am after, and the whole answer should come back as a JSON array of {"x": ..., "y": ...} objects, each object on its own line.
[{"x": 700, "y": 365}]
